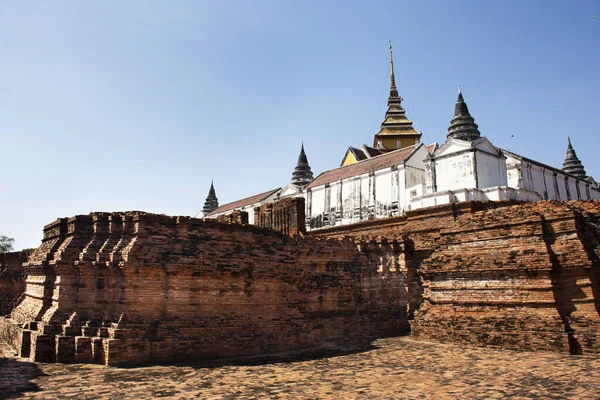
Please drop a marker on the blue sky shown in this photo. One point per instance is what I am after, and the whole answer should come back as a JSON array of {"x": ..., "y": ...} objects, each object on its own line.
[{"x": 137, "y": 105}]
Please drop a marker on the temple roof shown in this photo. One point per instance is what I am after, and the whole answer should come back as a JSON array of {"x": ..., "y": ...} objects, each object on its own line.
[
  {"x": 432, "y": 147},
  {"x": 462, "y": 126},
  {"x": 386, "y": 160},
  {"x": 396, "y": 124},
  {"x": 257, "y": 198},
  {"x": 371, "y": 151},
  {"x": 572, "y": 165},
  {"x": 359, "y": 154},
  {"x": 363, "y": 153}
]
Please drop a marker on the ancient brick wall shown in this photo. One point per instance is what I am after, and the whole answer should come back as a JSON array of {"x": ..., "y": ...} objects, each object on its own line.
[
  {"x": 12, "y": 279},
  {"x": 286, "y": 215},
  {"x": 419, "y": 233},
  {"x": 136, "y": 288},
  {"x": 234, "y": 217},
  {"x": 520, "y": 276}
]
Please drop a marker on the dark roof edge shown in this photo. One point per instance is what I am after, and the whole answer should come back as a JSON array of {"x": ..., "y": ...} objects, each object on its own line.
[{"x": 264, "y": 196}]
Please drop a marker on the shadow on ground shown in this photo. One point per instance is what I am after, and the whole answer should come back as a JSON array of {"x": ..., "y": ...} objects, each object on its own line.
[
  {"x": 328, "y": 350},
  {"x": 16, "y": 377}
]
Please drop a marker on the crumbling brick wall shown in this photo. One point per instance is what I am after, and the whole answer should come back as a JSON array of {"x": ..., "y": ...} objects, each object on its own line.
[
  {"x": 12, "y": 279},
  {"x": 286, "y": 215},
  {"x": 523, "y": 276},
  {"x": 234, "y": 217},
  {"x": 137, "y": 288},
  {"x": 518, "y": 277},
  {"x": 419, "y": 233}
]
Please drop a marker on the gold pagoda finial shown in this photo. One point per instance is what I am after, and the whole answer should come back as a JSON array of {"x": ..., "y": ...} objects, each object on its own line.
[{"x": 394, "y": 97}]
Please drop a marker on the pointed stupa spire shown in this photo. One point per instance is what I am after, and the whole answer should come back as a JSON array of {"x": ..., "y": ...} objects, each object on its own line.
[
  {"x": 572, "y": 165},
  {"x": 211, "y": 203},
  {"x": 462, "y": 126},
  {"x": 394, "y": 96},
  {"x": 302, "y": 174},
  {"x": 396, "y": 130}
]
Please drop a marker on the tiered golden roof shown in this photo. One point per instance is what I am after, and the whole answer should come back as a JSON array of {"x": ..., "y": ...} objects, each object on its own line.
[{"x": 396, "y": 130}]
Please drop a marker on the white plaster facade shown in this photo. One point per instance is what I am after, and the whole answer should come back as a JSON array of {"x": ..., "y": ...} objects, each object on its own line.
[
  {"x": 463, "y": 171},
  {"x": 373, "y": 188},
  {"x": 457, "y": 171},
  {"x": 460, "y": 164},
  {"x": 379, "y": 184},
  {"x": 412, "y": 178},
  {"x": 549, "y": 182}
]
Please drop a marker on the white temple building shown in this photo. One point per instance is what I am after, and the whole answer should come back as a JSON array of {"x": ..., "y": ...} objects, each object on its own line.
[{"x": 401, "y": 174}]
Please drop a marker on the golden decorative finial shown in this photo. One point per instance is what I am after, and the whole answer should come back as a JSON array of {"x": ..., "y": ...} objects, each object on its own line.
[{"x": 393, "y": 90}]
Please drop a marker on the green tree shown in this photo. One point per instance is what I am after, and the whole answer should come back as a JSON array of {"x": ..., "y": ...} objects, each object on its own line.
[{"x": 6, "y": 244}]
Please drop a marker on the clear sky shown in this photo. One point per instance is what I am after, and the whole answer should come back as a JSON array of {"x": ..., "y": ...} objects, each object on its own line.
[{"x": 137, "y": 105}]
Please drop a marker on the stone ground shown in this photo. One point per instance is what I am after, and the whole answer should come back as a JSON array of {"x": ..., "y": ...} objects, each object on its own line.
[{"x": 388, "y": 368}]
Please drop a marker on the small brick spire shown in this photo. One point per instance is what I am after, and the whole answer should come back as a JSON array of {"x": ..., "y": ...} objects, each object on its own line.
[
  {"x": 302, "y": 174},
  {"x": 572, "y": 165},
  {"x": 211, "y": 203},
  {"x": 462, "y": 126}
]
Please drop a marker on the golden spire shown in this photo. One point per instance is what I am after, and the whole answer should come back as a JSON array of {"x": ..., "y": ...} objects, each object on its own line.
[
  {"x": 396, "y": 130},
  {"x": 394, "y": 97}
]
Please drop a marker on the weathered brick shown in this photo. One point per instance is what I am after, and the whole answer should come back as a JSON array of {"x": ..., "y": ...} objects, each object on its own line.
[
  {"x": 12, "y": 279},
  {"x": 188, "y": 288},
  {"x": 152, "y": 288}
]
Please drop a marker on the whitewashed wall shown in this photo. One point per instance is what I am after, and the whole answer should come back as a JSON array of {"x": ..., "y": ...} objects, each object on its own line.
[
  {"x": 380, "y": 194},
  {"x": 351, "y": 200},
  {"x": 412, "y": 186},
  {"x": 491, "y": 170},
  {"x": 414, "y": 176},
  {"x": 367, "y": 196},
  {"x": 513, "y": 172},
  {"x": 454, "y": 173},
  {"x": 383, "y": 192},
  {"x": 571, "y": 188},
  {"x": 250, "y": 211},
  {"x": 550, "y": 183},
  {"x": 317, "y": 202},
  {"x": 335, "y": 203}
]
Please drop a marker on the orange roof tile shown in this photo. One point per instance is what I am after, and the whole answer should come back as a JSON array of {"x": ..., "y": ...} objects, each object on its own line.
[
  {"x": 386, "y": 160},
  {"x": 432, "y": 147}
]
